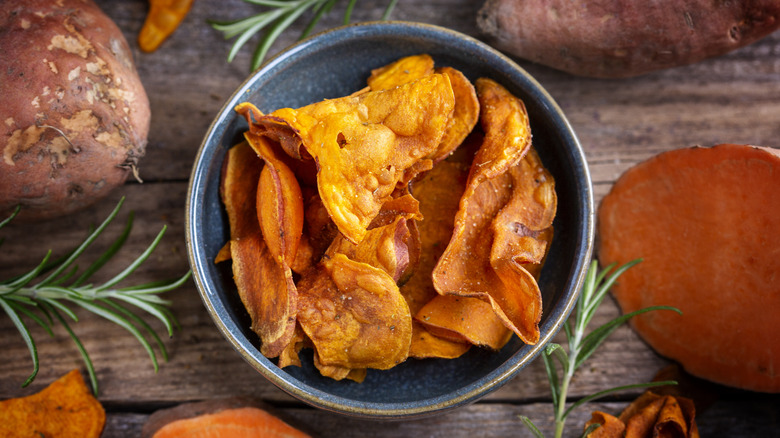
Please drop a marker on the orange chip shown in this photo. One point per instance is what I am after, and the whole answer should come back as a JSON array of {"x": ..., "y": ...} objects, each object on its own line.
[
  {"x": 364, "y": 145},
  {"x": 609, "y": 426},
  {"x": 507, "y": 132},
  {"x": 523, "y": 229},
  {"x": 354, "y": 315},
  {"x": 462, "y": 319},
  {"x": 384, "y": 248},
  {"x": 64, "y": 408},
  {"x": 265, "y": 286},
  {"x": 464, "y": 116},
  {"x": 279, "y": 201},
  {"x": 400, "y": 72},
  {"x": 491, "y": 220},
  {"x": 427, "y": 346}
]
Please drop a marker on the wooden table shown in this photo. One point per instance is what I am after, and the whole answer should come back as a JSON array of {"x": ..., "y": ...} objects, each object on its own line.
[{"x": 734, "y": 98}]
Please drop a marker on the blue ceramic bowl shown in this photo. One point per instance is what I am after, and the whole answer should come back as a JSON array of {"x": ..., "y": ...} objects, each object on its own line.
[{"x": 335, "y": 63}]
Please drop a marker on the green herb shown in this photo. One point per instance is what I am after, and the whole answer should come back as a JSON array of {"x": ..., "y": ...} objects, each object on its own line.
[
  {"x": 582, "y": 346},
  {"x": 278, "y": 16},
  {"x": 44, "y": 294}
]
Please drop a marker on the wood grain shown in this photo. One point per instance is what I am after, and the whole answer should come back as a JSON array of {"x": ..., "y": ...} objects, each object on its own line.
[{"x": 734, "y": 98}]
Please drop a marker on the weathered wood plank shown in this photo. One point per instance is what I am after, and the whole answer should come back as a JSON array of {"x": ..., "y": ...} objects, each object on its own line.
[{"x": 728, "y": 418}]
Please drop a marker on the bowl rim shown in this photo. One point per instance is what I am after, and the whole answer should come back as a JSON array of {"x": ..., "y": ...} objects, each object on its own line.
[{"x": 394, "y": 410}]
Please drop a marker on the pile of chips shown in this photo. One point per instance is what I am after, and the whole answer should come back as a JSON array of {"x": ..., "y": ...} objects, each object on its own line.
[{"x": 409, "y": 219}]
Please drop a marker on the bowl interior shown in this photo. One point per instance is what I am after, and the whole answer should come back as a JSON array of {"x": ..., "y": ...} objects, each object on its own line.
[{"x": 336, "y": 63}]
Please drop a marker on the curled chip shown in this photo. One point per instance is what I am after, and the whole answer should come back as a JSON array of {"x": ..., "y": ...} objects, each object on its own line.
[
  {"x": 265, "y": 286},
  {"x": 279, "y": 201},
  {"x": 464, "y": 319},
  {"x": 407, "y": 69},
  {"x": 363, "y": 145},
  {"x": 476, "y": 263},
  {"x": 354, "y": 315}
]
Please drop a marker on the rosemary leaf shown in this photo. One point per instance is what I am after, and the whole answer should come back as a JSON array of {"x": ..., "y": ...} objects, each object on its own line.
[
  {"x": 82, "y": 351},
  {"x": 110, "y": 252},
  {"x": 136, "y": 263},
  {"x": 27, "y": 294},
  {"x": 9, "y": 310},
  {"x": 278, "y": 17},
  {"x": 581, "y": 347}
]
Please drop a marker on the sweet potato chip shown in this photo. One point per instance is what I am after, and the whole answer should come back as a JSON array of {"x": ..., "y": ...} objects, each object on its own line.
[
  {"x": 264, "y": 285},
  {"x": 64, "y": 408},
  {"x": 400, "y": 72},
  {"x": 337, "y": 372},
  {"x": 609, "y": 426},
  {"x": 427, "y": 346},
  {"x": 464, "y": 116},
  {"x": 466, "y": 111},
  {"x": 650, "y": 414},
  {"x": 478, "y": 261},
  {"x": 354, "y": 315},
  {"x": 464, "y": 319},
  {"x": 384, "y": 247},
  {"x": 363, "y": 145},
  {"x": 507, "y": 132},
  {"x": 290, "y": 356},
  {"x": 523, "y": 229},
  {"x": 279, "y": 201}
]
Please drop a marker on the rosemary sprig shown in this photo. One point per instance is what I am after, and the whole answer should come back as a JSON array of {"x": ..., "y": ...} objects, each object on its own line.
[
  {"x": 275, "y": 19},
  {"x": 582, "y": 346},
  {"x": 42, "y": 296}
]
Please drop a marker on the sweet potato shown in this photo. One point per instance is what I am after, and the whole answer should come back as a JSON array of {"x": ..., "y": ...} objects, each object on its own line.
[
  {"x": 223, "y": 417},
  {"x": 706, "y": 222},
  {"x": 623, "y": 38},
  {"x": 75, "y": 116},
  {"x": 65, "y": 408}
]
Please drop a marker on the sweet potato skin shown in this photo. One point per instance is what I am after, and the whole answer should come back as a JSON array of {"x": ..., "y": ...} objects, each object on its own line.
[
  {"x": 624, "y": 38},
  {"x": 706, "y": 223},
  {"x": 75, "y": 116}
]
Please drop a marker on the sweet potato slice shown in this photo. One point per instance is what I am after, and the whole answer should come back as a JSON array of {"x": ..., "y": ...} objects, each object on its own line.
[
  {"x": 364, "y": 145},
  {"x": 464, "y": 319},
  {"x": 426, "y": 345},
  {"x": 401, "y": 71},
  {"x": 464, "y": 117},
  {"x": 466, "y": 111},
  {"x": 265, "y": 285},
  {"x": 354, "y": 315},
  {"x": 478, "y": 261},
  {"x": 279, "y": 201},
  {"x": 507, "y": 132},
  {"x": 64, "y": 408},
  {"x": 706, "y": 223},
  {"x": 230, "y": 417}
]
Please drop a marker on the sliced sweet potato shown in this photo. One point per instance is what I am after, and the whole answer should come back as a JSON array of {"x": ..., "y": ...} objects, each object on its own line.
[
  {"x": 64, "y": 408},
  {"x": 706, "y": 223},
  {"x": 464, "y": 117},
  {"x": 406, "y": 69},
  {"x": 264, "y": 285},
  {"x": 230, "y": 417},
  {"x": 354, "y": 315},
  {"x": 464, "y": 319},
  {"x": 279, "y": 201},
  {"x": 503, "y": 176},
  {"x": 364, "y": 145}
]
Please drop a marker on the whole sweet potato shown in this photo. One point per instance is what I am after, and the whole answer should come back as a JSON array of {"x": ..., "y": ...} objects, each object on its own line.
[
  {"x": 623, "y": 38},
  {"x": 74, "y": 116}
]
